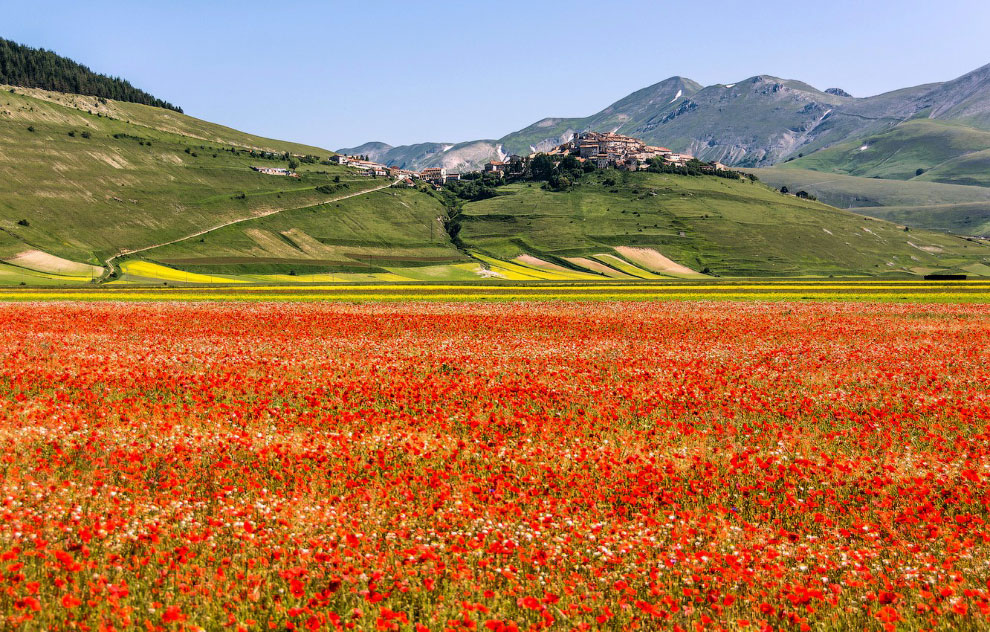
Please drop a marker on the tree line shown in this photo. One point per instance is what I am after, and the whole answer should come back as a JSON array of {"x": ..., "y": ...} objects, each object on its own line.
[{"x": 39, "y": 68}]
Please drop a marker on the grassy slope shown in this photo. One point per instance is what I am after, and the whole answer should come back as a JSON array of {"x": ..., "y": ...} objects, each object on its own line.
[
  {"x": 916, "y": 203},
  {"x": 375, "y": 232},
  {"x": 882, "y": 171},
  {"x": 167, "y": 121},
  {"x": 85, "y": 199},
  {"x": 937, "y": 147},
  {"x": 731, "y": 227}
]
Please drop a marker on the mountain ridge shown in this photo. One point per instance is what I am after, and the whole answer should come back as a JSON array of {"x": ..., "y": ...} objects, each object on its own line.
[{"x": 760, "y": 121}]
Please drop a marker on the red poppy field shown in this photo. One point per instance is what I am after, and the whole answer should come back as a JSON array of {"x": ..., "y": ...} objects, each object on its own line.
[{"x": 431, "y": 466}]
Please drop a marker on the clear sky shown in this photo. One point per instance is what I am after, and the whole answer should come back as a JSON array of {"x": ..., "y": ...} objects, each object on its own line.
[{"x": 339, "y": 73}]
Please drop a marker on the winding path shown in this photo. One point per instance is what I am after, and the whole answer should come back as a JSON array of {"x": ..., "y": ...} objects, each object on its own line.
[{"x": 111, "y": 266}]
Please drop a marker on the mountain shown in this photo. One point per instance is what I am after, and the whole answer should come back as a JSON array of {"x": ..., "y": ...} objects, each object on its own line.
[
  {"x": 469, "y": 156},
  {"x": 757, "y": 122},
  {"x": 935, "y": 133},
  {"x": 635, "y": 111},
  {"x": 933, "y": 136},
  {"x": 374, "y": 151},
  {"x": 540, "y": 136},
  {"x": 39, "y": 68}
]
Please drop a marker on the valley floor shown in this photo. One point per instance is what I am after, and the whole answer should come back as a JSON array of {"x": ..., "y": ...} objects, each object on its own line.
[{"x": 813, "y": 290}]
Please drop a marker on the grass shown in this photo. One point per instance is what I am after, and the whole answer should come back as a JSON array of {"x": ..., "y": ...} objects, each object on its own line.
[
  {"x": 161, "y": 120},
  {"x": 129, "y": 185},
  {"x": 13, "y": 275},
  {"x": 924, "y": 173},
  {"x": 959, "y": 209},
  {"x": 392, "y": 228},
  {"x": 731, "y": 228},
  {"x": 85, "y": 181},
  {"x": 515, "y": 271},
  {"x": 147, "y": 271},
  {"x": 626, "y": 267},
  {"x": 936, "y": 147},
  {"x": 524, "y": 290}
]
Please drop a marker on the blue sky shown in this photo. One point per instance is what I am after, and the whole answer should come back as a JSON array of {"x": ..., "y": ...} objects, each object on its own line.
[{"x": 336, "y": 74}]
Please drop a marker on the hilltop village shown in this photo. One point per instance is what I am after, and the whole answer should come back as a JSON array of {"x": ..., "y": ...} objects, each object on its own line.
[
  {"x": 603, "y": 150},
  {"x": 611, "y": 150}
]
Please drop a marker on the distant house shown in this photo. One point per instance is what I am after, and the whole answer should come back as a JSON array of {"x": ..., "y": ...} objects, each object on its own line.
[
  {"x": 677, "y": 159},
  {"x": 588, "y": 150},
  {"x": 436, "y": 175},
  {"x": 451, "y": 177},
  {"x": 496, "y": 166},
  {"x": 339, "y": 159},
  {"x": 369, "y": 167},
  {"x": 274, "y": 171}
]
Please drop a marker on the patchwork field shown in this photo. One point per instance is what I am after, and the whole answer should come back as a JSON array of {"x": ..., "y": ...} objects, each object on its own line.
[
  {"x": 216, "y": 288},
  {"x": 547, "y": 465},
  {"x": 658, "y": 225},
  {"x": 97, "y": 191}
]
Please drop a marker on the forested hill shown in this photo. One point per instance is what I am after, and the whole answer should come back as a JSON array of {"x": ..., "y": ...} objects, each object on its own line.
[{"x": 39, "y": 68}]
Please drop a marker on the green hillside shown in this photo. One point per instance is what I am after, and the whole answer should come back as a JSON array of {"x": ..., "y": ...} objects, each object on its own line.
[
  {"x": 145, "y": 116},
  {"x": 375, "y": 234},
  {"x": 96, "y": 189},
  {"x": 923, "y": 149},
  {"x": 959, "y": 209},
  {"x": 84, "y": 186},
  {"x": 726, "y": 227},
  {"x": 924, "y": 173},
  {"x": 612, "y": 225}
]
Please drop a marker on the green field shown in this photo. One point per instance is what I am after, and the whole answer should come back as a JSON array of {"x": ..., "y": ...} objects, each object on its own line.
[
  {"x": 945, "y": 152},
  {"x": 964, "y": 210},
  {"x": 95, "y": 191},
  {"x": 131, "y": 184},
  {"x": 899, "y": 291},
  {"x": 727, "y": 227},
  {"x": 923, "y": 173},
  {"x": 369, "y": 234}
]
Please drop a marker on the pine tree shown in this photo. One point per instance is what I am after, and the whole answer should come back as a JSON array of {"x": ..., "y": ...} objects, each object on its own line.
[{"x": 39, "y": 68}]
